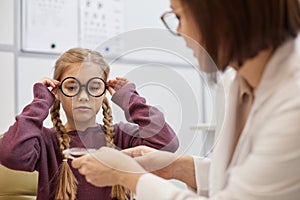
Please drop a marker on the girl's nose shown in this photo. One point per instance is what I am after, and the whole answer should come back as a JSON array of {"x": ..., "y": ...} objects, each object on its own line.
[{"x": 83, "y": 95}]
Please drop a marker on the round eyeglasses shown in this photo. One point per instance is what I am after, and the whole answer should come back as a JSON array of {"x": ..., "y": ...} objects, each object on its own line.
[
  {"x": 71, "y": 87},
  {"x": 171, "y": 22}
]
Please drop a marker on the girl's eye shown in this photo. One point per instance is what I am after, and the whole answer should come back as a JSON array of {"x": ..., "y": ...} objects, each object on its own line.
[
  {"x": 94, "y": 88},
  {"x": 72, "y": 88}
]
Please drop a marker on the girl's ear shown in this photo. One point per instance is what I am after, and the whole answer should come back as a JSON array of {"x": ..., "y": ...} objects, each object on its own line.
[{"x": 55, "y": 92}]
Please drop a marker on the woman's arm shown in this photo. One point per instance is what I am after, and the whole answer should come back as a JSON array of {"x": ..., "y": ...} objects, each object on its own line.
[
  {"x": 20, "y": 145},
  {"x": 165, "y": 164}
]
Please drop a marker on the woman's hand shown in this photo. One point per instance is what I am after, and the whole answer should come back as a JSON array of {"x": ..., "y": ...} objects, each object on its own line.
[
  {"x": 138, "y": 151},
  {"x": 160, "y": 163},
  {"x": 49, "y": 82},
  {"x": 108, "y": 167},
  {"x": 116, "y": 84}
]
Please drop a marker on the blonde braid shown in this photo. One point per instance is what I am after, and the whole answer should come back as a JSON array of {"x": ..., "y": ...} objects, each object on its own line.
[
  {"x": 67, "y": 184},
  {"x": 118, "y": 191},
  {"x": 108, "y": 123}
]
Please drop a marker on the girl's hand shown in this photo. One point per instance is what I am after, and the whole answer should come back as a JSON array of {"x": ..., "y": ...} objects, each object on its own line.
[
  {"x": 116, "y": 84},
  {"x": 108, "y": 167},
  {"x": 49, "y": 82}
]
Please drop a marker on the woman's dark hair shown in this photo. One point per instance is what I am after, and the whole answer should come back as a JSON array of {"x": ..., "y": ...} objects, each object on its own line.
[{"x": 236, "y": 30}]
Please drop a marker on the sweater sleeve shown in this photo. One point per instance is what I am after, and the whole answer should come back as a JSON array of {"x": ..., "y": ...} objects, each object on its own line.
[
  {"x": 20, "y": 146},
  {"x": 147, "y": 125}
]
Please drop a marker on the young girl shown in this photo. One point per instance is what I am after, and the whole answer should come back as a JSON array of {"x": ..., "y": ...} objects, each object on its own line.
[{"x": 79, "y": 86}]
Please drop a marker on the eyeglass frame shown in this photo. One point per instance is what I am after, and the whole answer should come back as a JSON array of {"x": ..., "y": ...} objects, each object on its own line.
[
  {"x": 83, "y": 85},
  {"x": 162, "y": 17}
]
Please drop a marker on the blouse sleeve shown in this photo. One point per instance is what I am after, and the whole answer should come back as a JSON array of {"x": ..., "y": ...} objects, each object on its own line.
[
  {"x": 202, "y": 166},
  {"x": 147, "y": 125}
]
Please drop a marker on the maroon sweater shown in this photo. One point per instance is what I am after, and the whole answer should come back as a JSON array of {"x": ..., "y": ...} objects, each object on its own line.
[{"x": 29, "y": 146}]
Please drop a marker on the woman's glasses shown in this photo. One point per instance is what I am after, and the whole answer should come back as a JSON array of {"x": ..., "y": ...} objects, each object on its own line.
[
  {"x": 71, "y": 87},
  {"x": 171, "y": 22}
]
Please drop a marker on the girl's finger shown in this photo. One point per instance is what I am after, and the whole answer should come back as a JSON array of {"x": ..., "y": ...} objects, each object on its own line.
[
  {"x": 111, "y": 90},
  {"x": 54, "y": 90}
]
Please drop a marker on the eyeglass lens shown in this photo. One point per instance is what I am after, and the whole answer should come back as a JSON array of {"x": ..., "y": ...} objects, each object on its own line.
[
  {"x": 71, "y": 87},
  {"x": 171, "y": 21}
]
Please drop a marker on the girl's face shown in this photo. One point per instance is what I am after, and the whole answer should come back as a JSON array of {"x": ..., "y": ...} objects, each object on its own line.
[{"x": 81, "y": 110}]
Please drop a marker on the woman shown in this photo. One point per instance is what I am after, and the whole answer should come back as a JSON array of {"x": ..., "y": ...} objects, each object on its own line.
[{"x": 257, "y": 154}]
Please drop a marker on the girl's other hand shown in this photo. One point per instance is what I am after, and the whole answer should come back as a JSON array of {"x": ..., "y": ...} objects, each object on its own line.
[
  {"x": 116, "y": 84},
  {"x": 49, "y": 82}
]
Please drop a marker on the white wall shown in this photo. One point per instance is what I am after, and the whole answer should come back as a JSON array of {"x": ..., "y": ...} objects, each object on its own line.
[
  {"x": 7, "y": 64},
  {"x": 145, "y": 14},
  {"x": 7, "y": 22},
  {"x": 7, "y": 82},
  {"x": 29, "y": 71}
]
